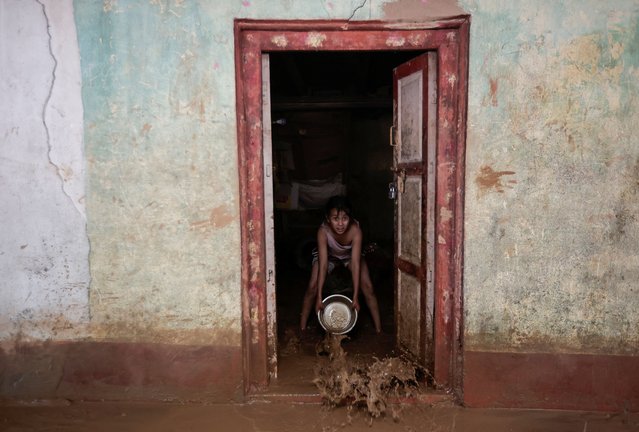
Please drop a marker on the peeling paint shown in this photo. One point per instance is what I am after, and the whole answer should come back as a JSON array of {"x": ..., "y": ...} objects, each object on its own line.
[
  {"x": 452, "y": 80},
  {"x": 108, "y": 5},
  {"x": 449, "y": 196},
  {"x": 445, "y": 214},
  {"x": 255, "y": 319},
  {"x": 315, "y": 40},
  {"x": 395, "y": 41},
  {"x": 280, "y": 41},
  {"x": 418, "y": 39}
]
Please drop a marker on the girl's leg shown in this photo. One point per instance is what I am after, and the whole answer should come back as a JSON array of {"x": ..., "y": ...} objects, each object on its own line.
[
  {"x": 309, "y": 296},
  {"x": 366, "y": 285}
]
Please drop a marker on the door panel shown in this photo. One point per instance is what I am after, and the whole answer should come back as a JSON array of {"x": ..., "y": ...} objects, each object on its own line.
[
  {"x": 410, "y": 118},
  {"x": 414, "y": 206},
  {"x": 410, "y": 214},
  {"x": 409, "y": 295}
]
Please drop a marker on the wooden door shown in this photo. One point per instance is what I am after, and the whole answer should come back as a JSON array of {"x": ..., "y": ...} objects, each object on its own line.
[{"x": 414, "y": 136}]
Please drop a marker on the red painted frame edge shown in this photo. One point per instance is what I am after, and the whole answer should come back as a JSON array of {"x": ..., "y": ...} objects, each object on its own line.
[
  {"x": 457, "y": 359},
  {"x": 248, "y": 79}
]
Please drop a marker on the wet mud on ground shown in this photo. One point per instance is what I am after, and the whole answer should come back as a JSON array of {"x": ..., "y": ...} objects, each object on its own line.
[
  {"x": 300, "y": 355},
  {"x": 265, "y": 417},
  {"x": 310, "y": 365},
  {"x": 370, "y": 386}
]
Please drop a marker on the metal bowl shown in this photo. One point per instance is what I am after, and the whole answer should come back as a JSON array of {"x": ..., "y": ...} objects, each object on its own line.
[{"x": 338, "y": 315}]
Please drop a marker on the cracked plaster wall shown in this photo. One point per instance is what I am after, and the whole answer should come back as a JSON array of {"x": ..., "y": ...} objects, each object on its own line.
[
  {"x": 163, "y": 205},
  {"x": 551, "y": 234},
  {"x": 43, "y": 241},
  {"x": 552, "y": 171},
  {"x": 155, "y": 256}
]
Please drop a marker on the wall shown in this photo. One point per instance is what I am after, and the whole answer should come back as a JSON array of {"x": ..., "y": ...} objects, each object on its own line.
[
  {"x": 162, "y": 175},
  {"x": 161, "y": 144},
  {"x": 551, "y": 201},
  {"x": 149, "y": 271},
  {"x": 551, "y": 257},
  {"x": 44, "y": 245},
  {"x": 120, "y": 240}
]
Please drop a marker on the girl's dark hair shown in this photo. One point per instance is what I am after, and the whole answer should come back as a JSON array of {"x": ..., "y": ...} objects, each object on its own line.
[{"x": 340, "y": 203}]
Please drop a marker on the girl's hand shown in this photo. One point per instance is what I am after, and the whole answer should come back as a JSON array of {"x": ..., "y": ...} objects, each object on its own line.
[
  {"x": 319, "y": 305},
  {"x": 356, "y": 305}
]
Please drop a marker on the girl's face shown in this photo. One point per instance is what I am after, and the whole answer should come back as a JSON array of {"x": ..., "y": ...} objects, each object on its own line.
[{"x": 338, "y": 221}]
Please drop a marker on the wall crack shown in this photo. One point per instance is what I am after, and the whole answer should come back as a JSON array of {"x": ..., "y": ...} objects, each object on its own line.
[
  {"x": 58, "y": 170},
  {"x": 356, "y": 9}
]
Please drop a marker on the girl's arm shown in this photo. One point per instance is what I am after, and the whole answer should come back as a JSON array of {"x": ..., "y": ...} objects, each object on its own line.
[
  {"x": 322, "y": 250},
  {"x": 356, "y": 257}
]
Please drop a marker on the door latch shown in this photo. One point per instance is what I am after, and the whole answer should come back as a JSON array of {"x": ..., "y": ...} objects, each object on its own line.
[{"x": 392, "y": 191}]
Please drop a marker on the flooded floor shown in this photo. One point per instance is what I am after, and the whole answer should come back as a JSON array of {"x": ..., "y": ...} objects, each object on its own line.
[
  {"x": 297, "y": 352},
  {"x": 265, "y": 417},
  {"x": 280, "y": 407}
]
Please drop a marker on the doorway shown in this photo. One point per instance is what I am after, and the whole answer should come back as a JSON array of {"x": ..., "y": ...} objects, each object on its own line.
[
  {"x": 330, "y": 117},
  {"x": 448, "y": 40}
]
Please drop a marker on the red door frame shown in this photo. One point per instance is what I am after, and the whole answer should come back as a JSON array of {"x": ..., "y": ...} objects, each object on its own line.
[{"x": 449, "y": 38}]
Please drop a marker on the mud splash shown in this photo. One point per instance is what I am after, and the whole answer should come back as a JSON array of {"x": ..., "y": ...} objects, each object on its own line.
[
  {"x": 342, "y": 381},
  {"x": 293, "y": 344}
]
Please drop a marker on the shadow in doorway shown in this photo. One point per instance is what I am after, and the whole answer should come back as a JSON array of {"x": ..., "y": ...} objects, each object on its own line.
[
  {"x": 331, "y": 113},
  {"x": 298, "y": 352}
]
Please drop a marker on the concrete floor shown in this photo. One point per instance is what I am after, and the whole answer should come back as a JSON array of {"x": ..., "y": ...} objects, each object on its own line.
[{"x": 264, "y": 417}]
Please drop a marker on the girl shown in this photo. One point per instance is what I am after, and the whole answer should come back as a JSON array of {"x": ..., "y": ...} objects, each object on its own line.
[{"x": 339, "y": 241}]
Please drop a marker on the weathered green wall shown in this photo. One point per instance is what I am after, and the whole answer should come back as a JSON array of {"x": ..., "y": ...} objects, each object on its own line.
[
  {"x": 162, "y": 190},
  {"x": 552, "y": 168},
  {"x": 551, "y": 234}
]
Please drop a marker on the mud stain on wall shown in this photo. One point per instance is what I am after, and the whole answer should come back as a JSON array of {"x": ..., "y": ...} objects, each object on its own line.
[
  {"x": 490, "y": 180},
  {"x": 218, "y": 218},
  {"x": 494, "y": 85}
]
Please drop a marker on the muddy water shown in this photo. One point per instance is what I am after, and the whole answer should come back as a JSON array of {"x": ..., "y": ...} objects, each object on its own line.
[
  {"x": 264, "y": 417},
  {"x": 298, "y": 356},
  {"x": 342, "y": 381}
]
